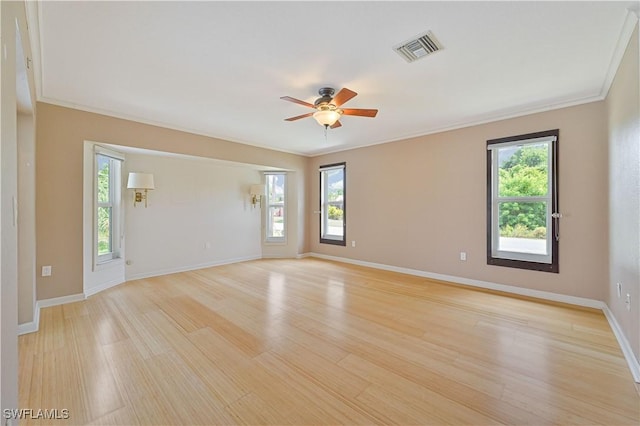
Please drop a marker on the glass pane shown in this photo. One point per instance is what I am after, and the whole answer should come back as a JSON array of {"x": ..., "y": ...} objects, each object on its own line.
[
  {"x": 275, "y": 187},
  {"x": 523, "y": 170},
  {"x": 333, "y": 182},
  {"x": 104, "y": 169},
  {"x": 104, "y": 230},
  {"x": 335, "y": 220},
  {"x": 523, "y": 227},
  {"x": 276, "y": 222},
  {"x": 335, "y": 179}
]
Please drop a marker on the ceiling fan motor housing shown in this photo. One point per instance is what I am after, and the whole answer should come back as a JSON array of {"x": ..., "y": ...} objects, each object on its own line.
[{"x": 326, "y": 95}]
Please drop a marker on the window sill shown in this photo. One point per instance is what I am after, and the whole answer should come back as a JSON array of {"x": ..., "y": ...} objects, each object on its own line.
[
  {"x": 109, "y": 264},
  {"x": 523, "y": 264},
  {"x": 333, "y": 242}
]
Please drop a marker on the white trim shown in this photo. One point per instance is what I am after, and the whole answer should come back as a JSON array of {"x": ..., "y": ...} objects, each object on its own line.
[
  {"x": 632, "y": 361},
  {"x": 519, "y": 142},
  {"x": 33, "y": 326},
  {"x": 106, "y": 152},
  {"x": 625, "y": 346},
  {"x": 159, "y": 124},
  {"x": 267, "y": 210},
  {"x": 278, "y": 256},
  {"x": 45, "y": 303},
  {"x": 34, "y": 24},
  {"x": 494, "y": 149},
  {"x": 33, "y": 13},
  {"x": 546, "y": 295},
  {"x": 463, "y": 125},
  {"x": 104, "y": 286},
  {"x": 621, "y": 46},
  {"x": 190, "y": 268}
]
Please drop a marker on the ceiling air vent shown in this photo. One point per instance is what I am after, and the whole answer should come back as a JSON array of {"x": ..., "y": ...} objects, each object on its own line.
[{"x": 418, "y": 47}]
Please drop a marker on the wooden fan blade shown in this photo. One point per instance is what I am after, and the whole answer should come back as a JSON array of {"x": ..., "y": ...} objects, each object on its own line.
[
  {"x": 336, "y": 125},
  {"x": 297, "y": 101},
  {"x": 298, "y": 117},
  {"x": 360, "y": 112},
  {"x": 343, "y": 96}
]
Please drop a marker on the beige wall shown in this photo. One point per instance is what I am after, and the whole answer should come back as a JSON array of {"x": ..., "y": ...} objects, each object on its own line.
[
  {"x": 418, "y": 203},
  {"x": 623, "y": 111},
  {"x": 222, "y": 225},
  {"x": 61, "y": 133}
]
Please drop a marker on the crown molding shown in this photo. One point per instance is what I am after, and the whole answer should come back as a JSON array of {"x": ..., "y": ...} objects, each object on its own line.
[{"x": 626, "y": 32}]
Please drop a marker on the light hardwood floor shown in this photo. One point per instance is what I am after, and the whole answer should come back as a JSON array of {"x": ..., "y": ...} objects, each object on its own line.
[{"x": 317, "y": 342}]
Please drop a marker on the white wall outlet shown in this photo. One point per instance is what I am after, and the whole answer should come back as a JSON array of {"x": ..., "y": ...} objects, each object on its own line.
[
  {"x": 628, "y": 302},
  {"x": 46, "y": 271},
  {"x": 353, "y": 243},
  {"x": 463, "y": 255},
  {"x": 619, "y": 287},
  {"x": 207, "y": 245}
]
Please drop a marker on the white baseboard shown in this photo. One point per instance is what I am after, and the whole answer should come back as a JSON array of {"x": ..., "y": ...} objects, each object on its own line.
[
  {"x": 278, "y": 256},
  {"x": 632, "y": 361},
  {"x": 33, "y": 326},
  {"x": 190, "y": 268},
  {"x": 104, "y": 286},
  {"x": 546, "y": 295},
  {"x": 45, "y": 303}
]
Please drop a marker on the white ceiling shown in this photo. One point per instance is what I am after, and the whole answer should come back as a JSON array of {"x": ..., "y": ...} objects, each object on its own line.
[{"x": 220, "y": 68}]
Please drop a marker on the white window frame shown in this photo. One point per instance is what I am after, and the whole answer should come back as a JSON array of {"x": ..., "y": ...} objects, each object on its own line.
[
  {"x": 325, "y": 237},
  {"x": 115, "y": 196},
  {"x": 269, "y": 238},
  {"x": 543, "y": 262}
]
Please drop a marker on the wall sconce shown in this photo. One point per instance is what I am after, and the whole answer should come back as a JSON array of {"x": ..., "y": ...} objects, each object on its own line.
[
  {"x": 140, "y": 182},
  {"x": 257, "y": 192}
]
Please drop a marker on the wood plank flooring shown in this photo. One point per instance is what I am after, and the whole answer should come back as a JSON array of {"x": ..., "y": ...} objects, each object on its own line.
[{"x": 316, "y": 342}]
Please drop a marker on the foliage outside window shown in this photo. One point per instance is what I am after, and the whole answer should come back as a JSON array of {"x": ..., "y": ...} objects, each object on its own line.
[
  {"x": 107, "y": 205},
  {"x": 332, "y": 204},
  {"x": 276, "y": 207},
  {"x": 522, "y": 201}
]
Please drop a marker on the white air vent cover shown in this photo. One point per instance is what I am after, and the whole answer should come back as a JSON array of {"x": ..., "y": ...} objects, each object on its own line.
[{"x": 418, "y": 47}]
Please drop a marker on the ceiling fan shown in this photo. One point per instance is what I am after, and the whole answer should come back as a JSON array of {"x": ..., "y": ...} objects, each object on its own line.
[{"x": 327, "y": 106}]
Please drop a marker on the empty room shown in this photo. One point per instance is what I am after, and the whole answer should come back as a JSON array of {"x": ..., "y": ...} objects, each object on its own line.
[{"x": 320, "y": 212}]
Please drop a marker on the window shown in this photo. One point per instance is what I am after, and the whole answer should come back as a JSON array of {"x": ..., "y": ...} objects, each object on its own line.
[
  {"x": 276, "y": 207},
  {"x": 107, "y": 205},
  {"x": 333, "y": 204},
  {"x": 522, "y": 201}
]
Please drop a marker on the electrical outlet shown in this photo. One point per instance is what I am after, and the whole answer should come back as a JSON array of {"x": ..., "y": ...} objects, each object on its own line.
[
  {"x": 628, "y": 302},
  {"x": 46, "y": 271},
  {"x": 619, "y": 286},
  {"x": 463, "y": 255},
  {"x": 353, "y": 243}
]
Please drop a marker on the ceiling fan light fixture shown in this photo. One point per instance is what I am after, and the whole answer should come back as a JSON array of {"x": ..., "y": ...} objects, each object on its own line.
[{"x": 326, "y": 117}]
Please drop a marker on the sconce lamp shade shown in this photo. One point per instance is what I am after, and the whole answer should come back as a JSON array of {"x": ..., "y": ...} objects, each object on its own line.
[
  {"x": 258, "y": 190},
  {"x": 140, "y": 181}
]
